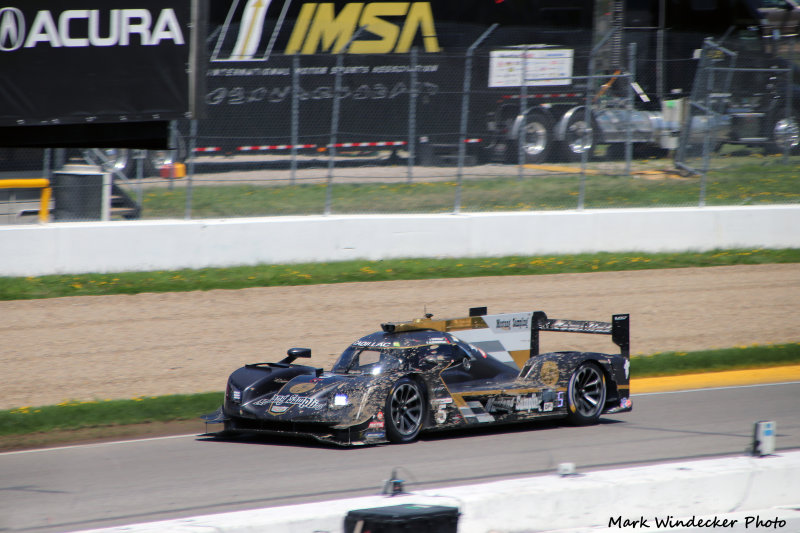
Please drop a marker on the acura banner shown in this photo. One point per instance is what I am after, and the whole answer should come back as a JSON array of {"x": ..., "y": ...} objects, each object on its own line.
[{"x": 96, "y": 61}]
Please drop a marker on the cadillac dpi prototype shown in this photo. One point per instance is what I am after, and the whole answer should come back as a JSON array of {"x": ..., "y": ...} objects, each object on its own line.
[{"x": 426, "y": 375}]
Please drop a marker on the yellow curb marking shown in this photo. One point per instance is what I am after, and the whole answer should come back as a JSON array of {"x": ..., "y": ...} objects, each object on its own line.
[
  {"x": 730, "y": 378},
  {"x": 559, "y": 168}
]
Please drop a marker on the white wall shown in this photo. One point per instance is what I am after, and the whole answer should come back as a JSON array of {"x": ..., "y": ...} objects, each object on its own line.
[
  {"x": 72, "y": 248},
  {"x": 726, "y": 488}
]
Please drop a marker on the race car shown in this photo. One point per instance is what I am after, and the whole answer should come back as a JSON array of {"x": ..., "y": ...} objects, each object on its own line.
[{"x": 428, "y": 375}]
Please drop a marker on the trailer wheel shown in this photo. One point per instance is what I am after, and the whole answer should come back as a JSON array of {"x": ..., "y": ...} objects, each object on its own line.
[
  {"x": 537, "y": 142},
  {"x": 785, "y": 136},
  {"x": 579, "y": 137}
]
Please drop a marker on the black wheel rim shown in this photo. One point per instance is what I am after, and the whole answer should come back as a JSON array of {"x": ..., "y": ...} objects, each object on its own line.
[
  {"x": 406, "y": 409},
  {"x": 588, "y": 391}
]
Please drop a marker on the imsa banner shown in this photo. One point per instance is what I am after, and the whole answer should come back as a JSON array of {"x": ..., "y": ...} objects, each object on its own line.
[{"x": 96, "y": 61}]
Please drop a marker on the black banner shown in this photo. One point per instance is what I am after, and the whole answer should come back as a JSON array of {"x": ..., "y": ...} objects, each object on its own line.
[{"x": 95, "y": 61}]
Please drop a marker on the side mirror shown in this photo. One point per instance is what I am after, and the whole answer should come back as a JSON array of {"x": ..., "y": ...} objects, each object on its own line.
[{"x": 295, "y": 353}]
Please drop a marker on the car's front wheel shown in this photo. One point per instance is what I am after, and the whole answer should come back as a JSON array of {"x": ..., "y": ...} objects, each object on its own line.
[
  {"x": 586, "y": 395},
  {"x": 405, "y": 411}
]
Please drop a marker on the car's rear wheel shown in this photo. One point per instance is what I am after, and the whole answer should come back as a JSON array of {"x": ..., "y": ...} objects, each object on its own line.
[
  {"x": 405, "y": 411},
  {"x": 586, "y": 395}
]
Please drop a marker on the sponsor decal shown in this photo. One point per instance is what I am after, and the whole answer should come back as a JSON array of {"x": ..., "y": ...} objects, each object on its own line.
[
  {"x": 440, "y": 416},
  {"x": 278, "y": 409},
  {"x": 627, "y": 369},
  {"x": 392, "y": 27},
  {"x": 288, "y": 400},
  {"x": 371, "y": 344},
  {"x": 506, "y": 404},
  {"x": 375, "y": 435},
  {"x": 301, "y": 387},
  {"x": 548, "y": 374},
  {"x": 625, "y": 403},
  {"x": 320, "y": 29},
  {"x": 377, "y": 424},
  {"x": 83, "y": 28},
  {"x": 511, "y": 322},
  {"x": 547, "y": 407}
]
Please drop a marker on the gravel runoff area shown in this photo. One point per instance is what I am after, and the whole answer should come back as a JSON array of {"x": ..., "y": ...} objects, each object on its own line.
[{"x": 98, "y": 347}]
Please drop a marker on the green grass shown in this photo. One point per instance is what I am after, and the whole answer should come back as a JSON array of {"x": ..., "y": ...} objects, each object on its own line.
[
  {"x": 397, "y": 269},
  {"x": 99, "y": 414},
  {"x": 740, "y": 357},
  {"x": 91, "y": 414},
  {"x": 751, "y": 180}
]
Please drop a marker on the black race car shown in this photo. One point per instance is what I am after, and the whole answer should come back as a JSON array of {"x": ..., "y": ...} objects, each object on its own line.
[{"x": 428, "y": 374}]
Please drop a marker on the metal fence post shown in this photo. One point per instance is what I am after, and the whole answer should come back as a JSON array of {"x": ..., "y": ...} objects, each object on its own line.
[
  {"x": 462, "y": 139},
  {"x": 295, "y": 115},
  {"x": 788, "y": 114},
  {"x": 523, "y": 105},
  {"x": 190, "y": 173},
  {"x": 337, "y": 89},
  {"x": 587, "y": 116},
  {"x": 139, "y": 155},
  {"x": 412, "y": 114},
  {"x": 629, "y": 105}
]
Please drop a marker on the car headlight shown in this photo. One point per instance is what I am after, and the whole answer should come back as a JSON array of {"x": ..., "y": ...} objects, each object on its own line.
[
  {"x": 234, "y": 393},
  {"x": 340, "y": 400}
]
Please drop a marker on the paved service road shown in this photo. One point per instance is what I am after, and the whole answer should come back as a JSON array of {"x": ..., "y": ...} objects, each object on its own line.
[{"x": 99, "y": 485}]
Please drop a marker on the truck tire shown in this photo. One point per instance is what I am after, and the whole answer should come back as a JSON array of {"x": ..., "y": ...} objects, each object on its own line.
[
  {"x": 785, "y": 136},
  {"x": 579, "y": 137},
  {"x": 537, "y": 142}
]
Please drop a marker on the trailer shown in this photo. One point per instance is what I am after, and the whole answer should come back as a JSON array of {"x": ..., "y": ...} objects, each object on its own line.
[{"x": 295, "y": 76}]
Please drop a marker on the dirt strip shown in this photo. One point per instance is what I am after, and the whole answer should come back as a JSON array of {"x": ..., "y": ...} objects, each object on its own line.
[{"x": 126, "y": 346}]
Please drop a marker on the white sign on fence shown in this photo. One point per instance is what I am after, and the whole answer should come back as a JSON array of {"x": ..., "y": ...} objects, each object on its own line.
[{"x": 543, "y": 66}]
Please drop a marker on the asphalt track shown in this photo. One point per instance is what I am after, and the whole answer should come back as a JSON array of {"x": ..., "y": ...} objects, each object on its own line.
[{"x": 89, "y": 486}]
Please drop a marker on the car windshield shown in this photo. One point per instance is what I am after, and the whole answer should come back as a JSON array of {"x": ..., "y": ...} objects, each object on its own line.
[{"x": 371, "y": 360}]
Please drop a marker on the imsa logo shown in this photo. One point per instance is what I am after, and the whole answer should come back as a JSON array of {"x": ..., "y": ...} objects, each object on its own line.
[
  {"x": 390, "y": 27},
  {"x": 82, "y": 28},
  {"x": 318, "y": 28}
]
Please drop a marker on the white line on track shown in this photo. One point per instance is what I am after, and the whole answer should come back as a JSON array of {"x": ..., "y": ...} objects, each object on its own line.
[
  {"x": 151, "y": 439},
  {"x": 100, "y": 444}
]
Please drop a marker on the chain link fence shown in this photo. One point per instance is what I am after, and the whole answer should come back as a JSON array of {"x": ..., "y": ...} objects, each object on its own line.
[{"x": 472, "y": 129}]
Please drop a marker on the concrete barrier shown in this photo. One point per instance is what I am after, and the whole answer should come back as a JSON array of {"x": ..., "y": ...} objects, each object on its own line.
[
  {"x": 74, "y": 248},
  {"x": 630, "y": 499}
]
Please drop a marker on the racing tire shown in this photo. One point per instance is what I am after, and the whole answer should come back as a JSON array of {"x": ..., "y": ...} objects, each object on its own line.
[
  {"x": 586, "y": 395},
  {"x": 405, "y": 411},
  {"x": 578, "y": 138}
]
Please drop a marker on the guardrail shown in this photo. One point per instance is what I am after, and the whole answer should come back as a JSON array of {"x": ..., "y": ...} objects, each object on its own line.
[{"x": 33, "y": 183}]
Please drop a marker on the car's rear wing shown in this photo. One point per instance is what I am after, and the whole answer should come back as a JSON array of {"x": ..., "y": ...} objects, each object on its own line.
[
  {"x": 514, "y": 337},
  {"x": 618, "y": 328}
]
